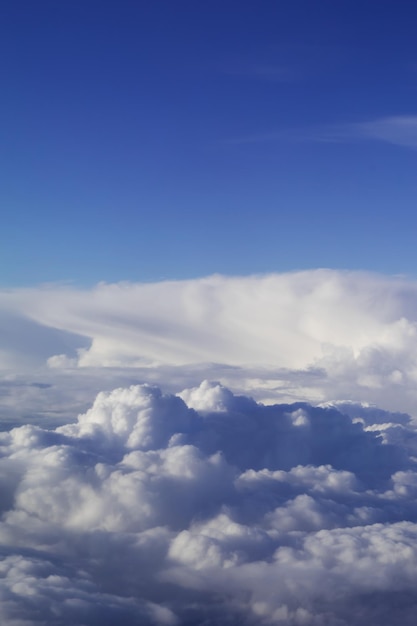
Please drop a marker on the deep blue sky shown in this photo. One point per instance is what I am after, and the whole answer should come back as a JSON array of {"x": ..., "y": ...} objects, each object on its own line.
[{"x": 154, "y": 139}]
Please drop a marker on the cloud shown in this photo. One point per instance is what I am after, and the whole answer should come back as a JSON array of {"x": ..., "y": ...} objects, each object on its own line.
[
  {"x": 209, "y": 508},
  {"x": 400, "y": 130},
  {"x": 25, "y": 342},
  {"x": 317, "y": 336}
]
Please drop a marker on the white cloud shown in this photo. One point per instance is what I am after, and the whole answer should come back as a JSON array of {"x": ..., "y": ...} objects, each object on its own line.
[
  {"x": 316, "y": 335},
  {"x": 202, "y": 505},
  {"x": 275, "y": 319},
  {"x": 400, "y": 130},
  {"x": 209, "y": 508}
]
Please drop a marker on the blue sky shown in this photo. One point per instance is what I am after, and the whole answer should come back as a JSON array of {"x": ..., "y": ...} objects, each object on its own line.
[{"x": 151, "y": 140}]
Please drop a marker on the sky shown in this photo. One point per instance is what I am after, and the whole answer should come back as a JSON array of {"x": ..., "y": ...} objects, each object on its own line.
[
  {"x": 170, "y": 140},
  {"x": 208, "y": 313}
]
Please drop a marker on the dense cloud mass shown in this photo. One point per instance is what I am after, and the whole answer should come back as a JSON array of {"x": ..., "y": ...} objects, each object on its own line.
[
  {"x": 280, "y": 495},
  {"x": 316, "y": 335},
  {"x": 209, "y": 508}
]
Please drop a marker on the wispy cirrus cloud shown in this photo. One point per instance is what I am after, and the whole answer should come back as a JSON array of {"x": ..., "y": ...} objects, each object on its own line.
[{"x": 399, "y": 130}]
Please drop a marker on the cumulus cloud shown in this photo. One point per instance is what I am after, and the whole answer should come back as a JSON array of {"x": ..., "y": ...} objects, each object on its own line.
[
  {"x": 206, "y": 507},
  {"x": 316, "y": 335}
]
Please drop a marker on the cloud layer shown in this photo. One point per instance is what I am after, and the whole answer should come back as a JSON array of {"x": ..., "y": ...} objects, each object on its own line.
[
  {"x": 209, "y": 508},
  {"x": 315, "y": 335}
]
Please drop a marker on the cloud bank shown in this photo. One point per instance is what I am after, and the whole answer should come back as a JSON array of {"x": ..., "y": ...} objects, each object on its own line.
[
  {"x": 316, "y": 335},
  {"x": 209, "y": 508}
]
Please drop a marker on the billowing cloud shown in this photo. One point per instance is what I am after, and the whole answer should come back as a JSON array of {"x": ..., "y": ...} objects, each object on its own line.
[
  {"x": 316, "y": 335},
  {"x": 207, "y": 507},
  {"x": 285, "y": 320}
]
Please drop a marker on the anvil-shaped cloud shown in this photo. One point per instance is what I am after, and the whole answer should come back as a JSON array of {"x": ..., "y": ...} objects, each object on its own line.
[{"x": 316, "y": 335}]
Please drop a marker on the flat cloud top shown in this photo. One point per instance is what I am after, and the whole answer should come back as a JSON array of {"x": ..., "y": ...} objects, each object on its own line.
[
  {"x": 317, "y": 335},
  {"x": 277, "y": 319}
]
